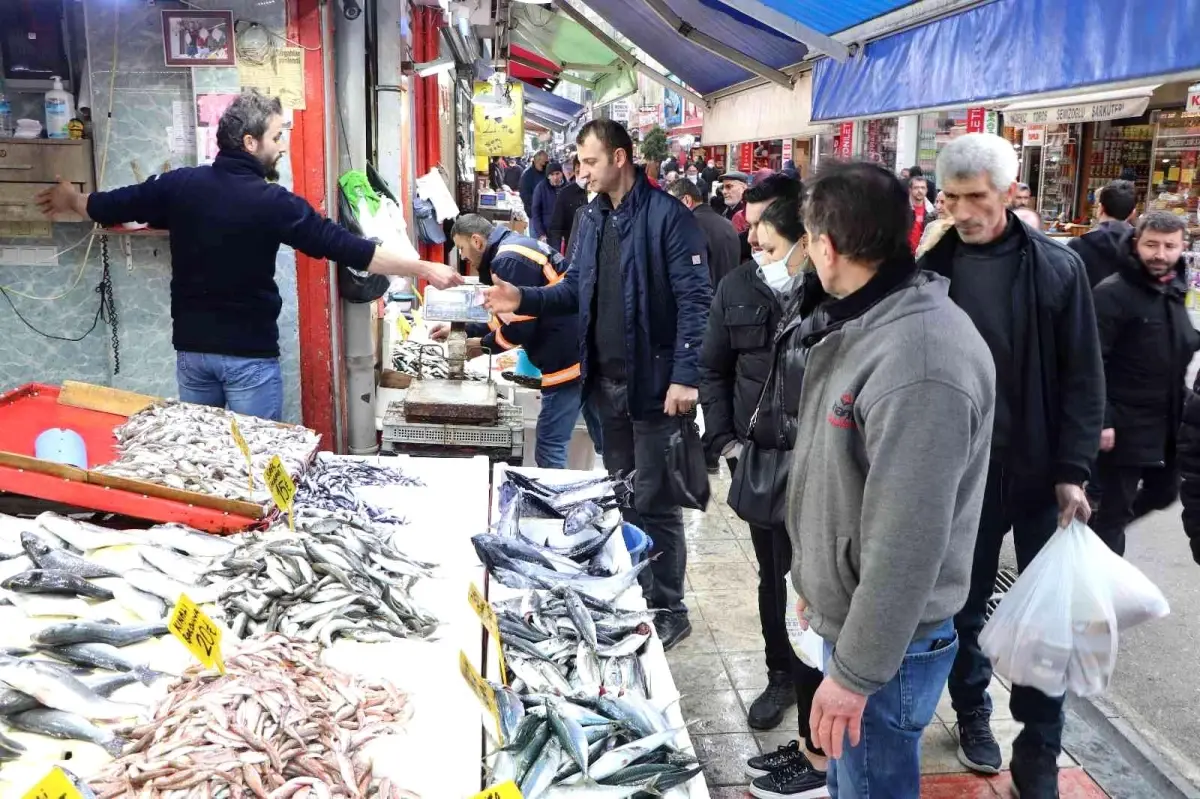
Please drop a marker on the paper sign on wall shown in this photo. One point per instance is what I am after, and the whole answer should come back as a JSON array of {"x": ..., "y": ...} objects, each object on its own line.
[
  {"x": 499, "y": 125},
  {"x": 281, "y": 75}
]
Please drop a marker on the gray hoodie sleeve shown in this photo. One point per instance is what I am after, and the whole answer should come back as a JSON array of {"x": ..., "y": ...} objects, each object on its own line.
[{"x": 921, "y": 440}]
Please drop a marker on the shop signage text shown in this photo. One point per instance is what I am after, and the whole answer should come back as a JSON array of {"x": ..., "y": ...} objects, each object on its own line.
[
  {"x": 975, "y": 120},
  {"x": 787, "y": 150},
  {"x": 1034, "y": 137},
  {"x": 745, "y": 156},
  {"x": 1193, "y": 98},
  {"x": 1085, "y": 112},
  {"x": 991, "y": 123},
  {"x": 845, "y": 141}
]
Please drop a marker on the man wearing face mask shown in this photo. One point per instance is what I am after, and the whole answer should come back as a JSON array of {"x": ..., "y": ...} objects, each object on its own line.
[
  {"x": 227, "y": 221},
  {"x": 571, "y": 198}
]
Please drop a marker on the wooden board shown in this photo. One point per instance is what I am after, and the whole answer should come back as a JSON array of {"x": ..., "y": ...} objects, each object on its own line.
[
  {"x": 234, "y": 506},
  {"x": 31, "y": 464},
  {"x": 103, "y": 398}
]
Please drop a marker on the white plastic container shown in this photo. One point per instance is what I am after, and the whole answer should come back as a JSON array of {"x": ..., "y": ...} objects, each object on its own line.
[{"x": 60, "y": 110}]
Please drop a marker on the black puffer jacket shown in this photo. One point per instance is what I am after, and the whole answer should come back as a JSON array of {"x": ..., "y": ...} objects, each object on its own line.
[
  {"x": 1101, "y": 249},
  {"x": 1059, "y": 404},
  {"x": 736, "y": 356},
  {"x": 1147, "y": 341}
]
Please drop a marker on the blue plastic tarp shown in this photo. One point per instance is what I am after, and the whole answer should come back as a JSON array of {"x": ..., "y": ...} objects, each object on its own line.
[
  {"x": 560, "y": 105},
  {"x": 822, "y": 16},
  {"x": 1009, "y": 48},
  {"x": 695, "y": 66}
]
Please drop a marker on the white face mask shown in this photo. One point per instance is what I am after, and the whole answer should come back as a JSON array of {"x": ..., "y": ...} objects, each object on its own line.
[
  {"x": 775, "y": 273},
  {"x": 581, "y": 182},
  {"x": 694, "y": 178}
]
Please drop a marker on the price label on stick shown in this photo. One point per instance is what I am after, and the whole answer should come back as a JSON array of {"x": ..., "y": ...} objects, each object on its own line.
[
  {"x": 283, "y": 490},
  {"x": 487, "y": 615},
  {"x": 505, "y": 790},
  {"x": 480, "y": 686},
  {"x": 197, "y": 632},
  {"x": 245, "y": 448},
  {"x": 57, "y": 785}
]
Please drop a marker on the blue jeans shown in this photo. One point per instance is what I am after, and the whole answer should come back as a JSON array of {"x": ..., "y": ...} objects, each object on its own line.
[
  {"x": 886, "y": 764},
  {"x": 591, "y": 417},
  {"x": 253, "y": 386},
  {"x": 556, "y": 423}
]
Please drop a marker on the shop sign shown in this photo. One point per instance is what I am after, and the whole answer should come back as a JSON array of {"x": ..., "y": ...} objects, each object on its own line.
[
  {"x": 991, "y": 123},
  {"x": 874, "y": 138},
  {"x": 499, "y": 130},
  {"x": 619, "y": 111},
  {"x": 745, "y": 156},
  {"x": 975, "y": 119},
  {"x": 1033, "y": 136},
  {"x": 787, "y": 150},
  {"x": 846, "y": 141},
  {"x": 1193, "y": 98},
  {"x": 1082, "y": 112}
]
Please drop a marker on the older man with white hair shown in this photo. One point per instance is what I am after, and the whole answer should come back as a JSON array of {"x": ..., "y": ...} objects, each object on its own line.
[{"x": 1029, "y": 298}]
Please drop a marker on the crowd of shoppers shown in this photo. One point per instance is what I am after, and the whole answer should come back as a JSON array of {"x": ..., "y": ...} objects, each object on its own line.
[{"x": 895, "y": 384}]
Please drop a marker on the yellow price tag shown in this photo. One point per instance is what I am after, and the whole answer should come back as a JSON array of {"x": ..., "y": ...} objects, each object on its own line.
[
  {"x": 487, "y": 615},
  {"x": 197, "y": 632},
  {"x": 57, "y": 785},
  {"x": 505, "y": 790},
  {"x": 482, "y": 690},
  {"x": 244, "y": 447},
  {"x": 283, "y": 490},
  {"x": 404, "y": 327}
]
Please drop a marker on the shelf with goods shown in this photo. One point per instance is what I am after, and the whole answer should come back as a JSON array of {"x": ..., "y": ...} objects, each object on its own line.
[
  {"x": 1059, "y": 179},
  {"x": 1175, "y": 177},
  {"x": 1112, "y": 152}
]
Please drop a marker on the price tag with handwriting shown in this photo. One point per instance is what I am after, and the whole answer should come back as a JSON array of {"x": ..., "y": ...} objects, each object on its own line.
[
  {"x": 197, "y": 632},
  {"x": 485, "y": 693},
  {"x": 57, "y": 785},
  {"x": 483, "y": 609},
  {"x": 283, "y": 490},
  {"x": 244, "y": 447},
  {"x": 505, "y": 790}
]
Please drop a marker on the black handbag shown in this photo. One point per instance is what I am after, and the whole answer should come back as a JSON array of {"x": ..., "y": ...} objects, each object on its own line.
[
  {"x": 686, "y": 465},
  {"x": 758, "y": 489}
]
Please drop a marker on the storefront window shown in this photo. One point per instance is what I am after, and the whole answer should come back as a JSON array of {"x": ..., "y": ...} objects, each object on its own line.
[
  {"x": 879, "y": 141},
  {"x": 1173, "y": 180},
  {"x": 1060, "y": 157},
  {"x": 935, "y": 132}
]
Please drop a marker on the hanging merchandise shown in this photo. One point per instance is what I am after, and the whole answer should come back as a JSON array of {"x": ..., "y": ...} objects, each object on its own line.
[{"x": 365, "y": 208}]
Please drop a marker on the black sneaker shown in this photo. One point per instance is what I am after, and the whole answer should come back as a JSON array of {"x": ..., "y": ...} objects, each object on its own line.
[
  {"x": 798, "y": 781},
  {"x": 672, "y": 628},
  {"x": 767, "y": 710},
  {"x": 785, "y": 756},
  {"x": 977, "y": 747},
  {"x": 713, "y": 465},
  {"x": 1034, "y": 776}
]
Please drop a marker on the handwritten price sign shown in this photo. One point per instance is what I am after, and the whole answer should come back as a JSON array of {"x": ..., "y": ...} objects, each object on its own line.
[
  {"x": 487, "y": 615},
  {"x": 505, "y": 790},
  {"x": 57, "y": 785},
  {"x": 283, "y": 490},
  {"x": 244, "y": 447},
  {"x": 480, "y": 686},
  {"x": 197, "y": 632}
]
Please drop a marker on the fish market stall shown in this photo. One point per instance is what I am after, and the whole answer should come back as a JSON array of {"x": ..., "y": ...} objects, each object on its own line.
[
  {"x": 590, "y": 693},
  {"x": 359, "y": 615}
]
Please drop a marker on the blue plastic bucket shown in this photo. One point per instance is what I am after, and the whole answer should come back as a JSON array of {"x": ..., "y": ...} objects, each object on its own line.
[
  {"x": 61, "y": 446},
  {"x": 525, "y": 367},
  {"x": 636, "y": 541}
]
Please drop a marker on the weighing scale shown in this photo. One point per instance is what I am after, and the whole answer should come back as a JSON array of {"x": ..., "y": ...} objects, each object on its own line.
[{"x": 454, "y": 416}]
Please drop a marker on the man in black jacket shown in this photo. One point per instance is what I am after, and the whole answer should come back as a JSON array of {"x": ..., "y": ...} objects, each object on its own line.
[
  {"x": 226, "y": 222},
  {"x": 534, "y": 174},
  {"x": 1147, "y": 342},
  {"x": 1030, "y": 300},
  {"x": 719, "y": 235},
  {"x": 571, "y": 198},
  {"x": 1102, "y": 247}
]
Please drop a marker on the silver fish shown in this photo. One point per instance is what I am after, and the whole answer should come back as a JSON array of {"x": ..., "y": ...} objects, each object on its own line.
[
  {"x": 185, "y": 539},
  {"x": 46, "y": 581},
  {"x": 48, "y": 557},
  {"x": 81, "y": 535},
  {"x": 70, "y": 726},
  {"x": 570, "y": 735},
  {"x": 103, "y": 656},
  {"x": 540, "y": 776},
  {"x": 14, "y": 701},
  {"x": 56, "y": 689},
  {"x": 613, "y": 761},
  {"x": 87, "y": 632},
  {"x": 168, "y": 588},
  {"x": 183, "y": 568}
]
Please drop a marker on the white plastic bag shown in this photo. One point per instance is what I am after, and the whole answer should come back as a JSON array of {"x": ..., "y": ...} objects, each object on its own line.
[{"x": 1056, "y": 628}]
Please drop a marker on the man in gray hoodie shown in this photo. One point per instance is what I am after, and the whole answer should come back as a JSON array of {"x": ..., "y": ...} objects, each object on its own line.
[{"x": 884, "y": 500}]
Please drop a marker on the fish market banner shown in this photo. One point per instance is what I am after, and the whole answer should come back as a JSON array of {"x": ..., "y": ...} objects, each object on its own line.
[{"x": 499, "y": 126}]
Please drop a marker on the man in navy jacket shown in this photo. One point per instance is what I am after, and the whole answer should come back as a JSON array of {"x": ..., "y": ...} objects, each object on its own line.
[
  {"x": 226, "y": 222},
  {"x": 639, "y": 282}
]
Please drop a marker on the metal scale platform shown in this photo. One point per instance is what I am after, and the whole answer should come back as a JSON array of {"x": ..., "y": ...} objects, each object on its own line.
[{"x": 455, "y": 416}]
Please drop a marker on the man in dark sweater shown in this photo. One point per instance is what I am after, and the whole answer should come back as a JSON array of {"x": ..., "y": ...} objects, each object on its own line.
[
  {"x": 639, "y": 283},
  {"x": 1101, "y": 248},
  {"x": 226, "y": 222},
  {"x": 534, "y": 174},
  {"x": 719, "y": 235},
  {"x": 1029, "y": 298},
  {"x": 573, "y": 196}
]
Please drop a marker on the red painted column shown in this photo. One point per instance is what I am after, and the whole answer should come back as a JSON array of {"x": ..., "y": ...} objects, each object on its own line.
[
  {"x": 426, "y": 21},
  {"x": 307, "y": 149}
]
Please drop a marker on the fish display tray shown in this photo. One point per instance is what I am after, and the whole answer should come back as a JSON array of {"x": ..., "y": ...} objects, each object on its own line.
[
  {"x": 453, "y": 401},
  {"x": 506, "y": 437},
  {"x": 27, "y": 411}
]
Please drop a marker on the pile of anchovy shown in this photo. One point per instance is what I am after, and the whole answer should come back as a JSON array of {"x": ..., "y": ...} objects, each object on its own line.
[
  {"x": 331, "y": 579},
  {"x": 329, "y": 485},
  {"x": 191, "y": 448},
  {"x": 277, "y": 723},
  {"x": 420, "y": 360}
]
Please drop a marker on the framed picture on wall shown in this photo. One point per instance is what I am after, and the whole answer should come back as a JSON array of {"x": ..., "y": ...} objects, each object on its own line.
[{"x": 198, "y": 38}]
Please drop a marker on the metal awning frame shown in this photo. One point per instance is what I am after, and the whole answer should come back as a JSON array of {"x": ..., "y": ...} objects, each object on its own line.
[{"x": 817, "y": 43}]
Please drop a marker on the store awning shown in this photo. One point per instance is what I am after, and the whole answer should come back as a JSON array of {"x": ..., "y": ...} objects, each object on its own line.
[
  {"x": 1007, "y": 49},
  {"x": 762, "y": 112},
  {"x": 1093, "y": 107},
  {"x": 535, "y": 71},
  {"x": 548, "y": 105}
]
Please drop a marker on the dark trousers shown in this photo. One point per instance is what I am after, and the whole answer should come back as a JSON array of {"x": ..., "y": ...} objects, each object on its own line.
[
  {"x": 1124, "y": 502},
  {"x": 1032, "y": 524},
  {"x": 773, "y": 550},
  {"x": 641, "y": 444}
]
